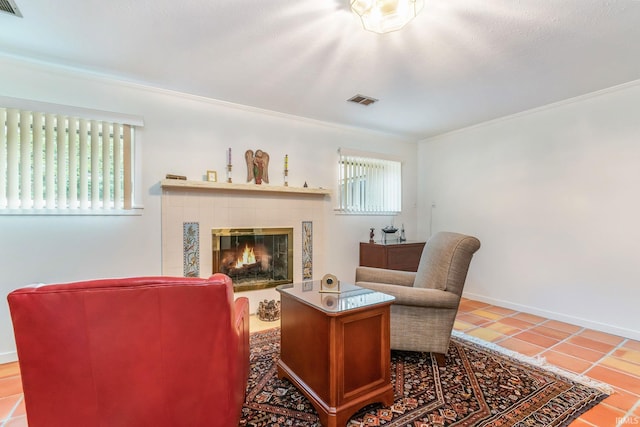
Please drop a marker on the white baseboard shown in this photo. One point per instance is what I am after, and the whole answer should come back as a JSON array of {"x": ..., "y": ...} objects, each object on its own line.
[
  {"x": 8, "y": 357},
  {"x": 562, "y": 317}
]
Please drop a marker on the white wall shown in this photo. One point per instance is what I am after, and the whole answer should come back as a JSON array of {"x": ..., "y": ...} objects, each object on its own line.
[
  {"x": 183, "y": 135},
  {"x": 554, "y": 196}
]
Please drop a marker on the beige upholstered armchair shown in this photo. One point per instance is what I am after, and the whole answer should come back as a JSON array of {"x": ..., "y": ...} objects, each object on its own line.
[{"x": 426, "y": 304}]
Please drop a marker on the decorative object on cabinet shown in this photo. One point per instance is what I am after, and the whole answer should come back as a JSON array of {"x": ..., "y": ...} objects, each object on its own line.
[
  {"x": 257, "y": 166},
  {"x": 330, "y": 283},
  {"x": 212, "y": 176},
  {"x": 387, "y": 232}
]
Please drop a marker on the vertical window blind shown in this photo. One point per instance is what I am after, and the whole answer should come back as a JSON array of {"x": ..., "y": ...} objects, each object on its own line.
[
  {"x": 369, "y": 184},
  {"x": 64, "y": 162}
]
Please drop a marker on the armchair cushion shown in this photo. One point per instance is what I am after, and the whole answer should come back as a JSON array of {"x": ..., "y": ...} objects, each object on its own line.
[
  {"x": 381, "y": 275},
  {"x": 417, "y": 297}
]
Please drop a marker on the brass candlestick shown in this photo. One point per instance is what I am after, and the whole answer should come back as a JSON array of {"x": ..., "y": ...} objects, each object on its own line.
[
  {"x": 229, "y": 174},
  {"x": 286, "y": 170}
]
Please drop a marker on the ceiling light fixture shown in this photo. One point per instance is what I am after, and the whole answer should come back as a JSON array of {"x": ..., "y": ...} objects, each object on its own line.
[{"x": 383, "y": 16}]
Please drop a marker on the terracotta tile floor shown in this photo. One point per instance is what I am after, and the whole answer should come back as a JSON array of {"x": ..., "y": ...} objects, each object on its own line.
[{"x": 608, "y": 358}]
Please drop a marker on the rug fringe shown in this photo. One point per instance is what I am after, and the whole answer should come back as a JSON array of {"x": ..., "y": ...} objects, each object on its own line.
[{"x": 538, "y": 361}]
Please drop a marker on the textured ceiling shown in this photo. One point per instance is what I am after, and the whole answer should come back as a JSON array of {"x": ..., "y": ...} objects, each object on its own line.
[{"x": 460, "y": 62}]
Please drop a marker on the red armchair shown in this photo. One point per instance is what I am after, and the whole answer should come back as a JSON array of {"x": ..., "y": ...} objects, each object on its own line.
[{"x": 138, "y": 352}]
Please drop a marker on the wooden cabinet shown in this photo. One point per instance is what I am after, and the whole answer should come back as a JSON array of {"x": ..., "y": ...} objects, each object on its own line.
[
  {"x": 335, "y": 348},
  {"x": 394, "y": 256}
]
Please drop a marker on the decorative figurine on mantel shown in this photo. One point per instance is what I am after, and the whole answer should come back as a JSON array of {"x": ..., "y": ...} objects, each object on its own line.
[
  {"x": 371, "y": 234},
  {"x": 257, "y": 166}
]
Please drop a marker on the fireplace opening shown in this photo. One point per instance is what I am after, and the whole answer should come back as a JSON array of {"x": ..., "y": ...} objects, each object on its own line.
[{"x": 254, "y": 258}]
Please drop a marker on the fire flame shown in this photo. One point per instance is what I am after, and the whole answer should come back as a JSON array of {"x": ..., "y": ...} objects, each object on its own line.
[{"x": 248, "y": 257}]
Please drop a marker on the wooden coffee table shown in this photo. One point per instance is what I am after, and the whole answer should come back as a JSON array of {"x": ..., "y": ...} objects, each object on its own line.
[{"x": 335, "y": 348}]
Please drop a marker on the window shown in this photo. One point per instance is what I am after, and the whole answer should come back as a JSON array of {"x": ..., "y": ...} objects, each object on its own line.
[
  {"x": 56, "y": 159},
  {"x": 369, "y": 183}
]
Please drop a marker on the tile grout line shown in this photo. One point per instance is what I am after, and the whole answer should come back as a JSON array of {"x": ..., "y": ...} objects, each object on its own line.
[
  {"x": 610, "y": 354},
  {"x": 505, "y": 336},
  {"x": 630, "y": 415},
  {"x": 589, "y": 423},
  {"x": 566, "y": 339},
  {"x": 528, "y": 329},
  {"x": 12, "y": 411}
]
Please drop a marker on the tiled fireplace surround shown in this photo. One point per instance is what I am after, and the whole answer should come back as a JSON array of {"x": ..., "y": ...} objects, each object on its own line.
[{"x": 221, "y": 208}]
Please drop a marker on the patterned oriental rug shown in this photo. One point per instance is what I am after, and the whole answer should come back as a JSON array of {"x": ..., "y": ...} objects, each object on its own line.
[{"x": 480, "y": 386}]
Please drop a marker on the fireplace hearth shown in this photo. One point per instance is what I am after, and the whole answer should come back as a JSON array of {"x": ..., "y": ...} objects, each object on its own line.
[{"x": 254, "y": 258}]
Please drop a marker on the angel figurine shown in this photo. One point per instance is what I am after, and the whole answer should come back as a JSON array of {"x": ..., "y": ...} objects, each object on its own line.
[{"x": 257, "y": 166}]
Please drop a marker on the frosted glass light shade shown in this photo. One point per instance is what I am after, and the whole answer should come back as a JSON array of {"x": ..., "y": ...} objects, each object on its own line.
[{"x": 383, "y": 16}]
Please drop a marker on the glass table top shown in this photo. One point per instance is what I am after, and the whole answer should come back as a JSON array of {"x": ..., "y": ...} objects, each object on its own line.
[{"x": 350, "y": 297}]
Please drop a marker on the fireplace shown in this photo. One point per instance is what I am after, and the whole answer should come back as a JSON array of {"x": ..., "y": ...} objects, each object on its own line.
[{"x": 254, "y": 258}]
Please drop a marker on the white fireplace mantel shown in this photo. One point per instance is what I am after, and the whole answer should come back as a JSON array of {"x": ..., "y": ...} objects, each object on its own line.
[
  {"x": 213, "y": 205},
  {"x": 224, "y": 186}
]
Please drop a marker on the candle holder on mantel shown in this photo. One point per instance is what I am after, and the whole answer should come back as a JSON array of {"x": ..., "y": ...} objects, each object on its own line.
[
  {"x": 229, "y": 174},
  {"x": 286, "y": 170}
]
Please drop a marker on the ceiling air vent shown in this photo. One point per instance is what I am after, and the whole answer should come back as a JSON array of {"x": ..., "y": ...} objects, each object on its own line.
[
  {"x": 9, "y": 6},
  {"x": 359, "y": 99}
]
